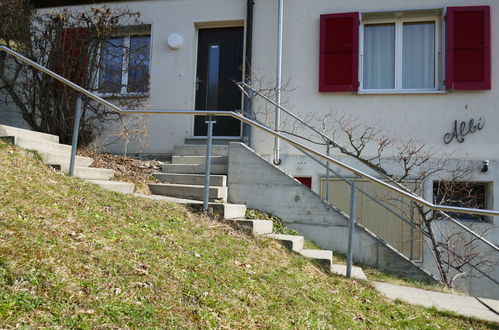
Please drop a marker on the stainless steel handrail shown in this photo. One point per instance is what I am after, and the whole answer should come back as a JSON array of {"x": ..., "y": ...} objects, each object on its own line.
[
  {"x": 243, "y": 85},
  {"x": 417, "y": 199},
  {"x": 328, "y": 139},
  {"x": 60, "y": 78},
  {"x": 401, "y": 217}
]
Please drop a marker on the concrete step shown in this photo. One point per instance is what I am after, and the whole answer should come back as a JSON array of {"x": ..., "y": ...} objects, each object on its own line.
[
  {"x": 122, "y": 187},
  {"x": 194, "y": 179},
  {"x": 28, "y": 134},
  {"x": 188, "y": 191},
  {"x": 39, "y": 145},
  {"x": 324, "y": 257},
  {"x": 193, "y": 168},
  {"x": 257, "y": 227},
  {"x": 227, "y": 211},
  {"x": 357, "y": 272},
  {"x": 291, "y": 242},
  {"x": 215, "y": 141},
  {"x": 55, "y": 158},
  {"x": 86, "y": 173},
  {"x": 198, "y": 160},
  {"x": 200, "y": 150}
]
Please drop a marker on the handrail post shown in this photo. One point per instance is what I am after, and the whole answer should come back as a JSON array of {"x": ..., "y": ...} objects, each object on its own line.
[
  {"x": 76, "y": 131},
  {"x": 351, "y": 229},
  {"x": 207, "y": 170},
  {"x": 327, "y": 171},
  {"x": 278, "y": 86}
]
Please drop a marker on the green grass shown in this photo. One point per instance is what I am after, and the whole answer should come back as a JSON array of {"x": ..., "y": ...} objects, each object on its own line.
[
  {"x": 372, "y": 273},
  {"x": 278, "y": 227},
  {"x": 375, "y": 275},
  {"x": 75, "y": 256}
]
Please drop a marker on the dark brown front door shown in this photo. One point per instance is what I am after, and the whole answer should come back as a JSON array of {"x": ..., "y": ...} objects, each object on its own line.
[{"x": 220, "y": 61}]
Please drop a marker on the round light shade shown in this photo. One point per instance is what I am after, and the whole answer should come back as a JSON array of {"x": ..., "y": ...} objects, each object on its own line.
[{"x": 175, "y": 41}]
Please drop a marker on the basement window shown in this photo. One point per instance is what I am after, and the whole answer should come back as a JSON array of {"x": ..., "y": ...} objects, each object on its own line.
[{"x": 462, "y": 194}]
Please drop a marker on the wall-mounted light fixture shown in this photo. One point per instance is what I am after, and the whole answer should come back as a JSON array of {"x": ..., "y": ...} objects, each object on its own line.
[
  {"x": 175, "y": 41},
  {"x": 485, "y": 166}
]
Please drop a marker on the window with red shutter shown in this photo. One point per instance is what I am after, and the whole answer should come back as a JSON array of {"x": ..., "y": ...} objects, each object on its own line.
[
  {"x": 399, "y": 52},
  {"x": 468, "y": 51},
  {"x": 74, "y": 54},
  {"x": 339, "y": 49}
]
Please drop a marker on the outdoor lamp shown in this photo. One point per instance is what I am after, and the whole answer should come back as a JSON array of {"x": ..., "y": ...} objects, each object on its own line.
[{"x": 175, "y": 41}]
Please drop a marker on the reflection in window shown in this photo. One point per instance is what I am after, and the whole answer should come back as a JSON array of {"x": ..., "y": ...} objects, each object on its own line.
[
  {"x": 212, "y": 86},
  {"x": 110, "y": 78},
  {"x": 125, "y": 65},
  {"x": 461, "y": 194},
  {"x": 138, "y": 66}
]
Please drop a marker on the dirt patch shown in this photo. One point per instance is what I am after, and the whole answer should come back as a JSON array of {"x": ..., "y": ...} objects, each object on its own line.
[{"x": 126, "y": 169}]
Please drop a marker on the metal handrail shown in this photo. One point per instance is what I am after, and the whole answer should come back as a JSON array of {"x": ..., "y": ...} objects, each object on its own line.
[
  {"x": 417, "y": 199},
  {"x": 61, "y": 79},
  {"x": 330, "y": 141},
  {"x": 389, "y": 209}
]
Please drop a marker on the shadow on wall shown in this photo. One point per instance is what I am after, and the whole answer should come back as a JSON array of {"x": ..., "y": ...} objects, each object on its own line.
[{"x": 260, "y": 185}]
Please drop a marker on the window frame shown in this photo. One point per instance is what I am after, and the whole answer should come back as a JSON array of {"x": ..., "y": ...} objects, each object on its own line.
[
  {"x": 125, "y": 68},
  {"x": 438, "y": 63},
  {"x": 487, "y": 200}
]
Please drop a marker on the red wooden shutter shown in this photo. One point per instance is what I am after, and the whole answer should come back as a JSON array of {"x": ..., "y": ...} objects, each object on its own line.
[
  {"x": 305, "y": 180},
  {"x": 468, "y": 48},
  {"x": 339, "y": 52},
  {"x": 74, "y": 56}
]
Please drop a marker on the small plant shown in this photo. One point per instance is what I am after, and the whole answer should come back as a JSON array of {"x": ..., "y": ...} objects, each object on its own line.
[{"x": 279, "y": 228}]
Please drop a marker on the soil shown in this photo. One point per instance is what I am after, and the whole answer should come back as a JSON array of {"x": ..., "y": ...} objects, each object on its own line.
[{"x": 126, "y": 169}]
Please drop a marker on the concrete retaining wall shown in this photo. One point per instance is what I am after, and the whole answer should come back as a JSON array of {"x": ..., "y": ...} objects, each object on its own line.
[{"x": 260, "y": 185}]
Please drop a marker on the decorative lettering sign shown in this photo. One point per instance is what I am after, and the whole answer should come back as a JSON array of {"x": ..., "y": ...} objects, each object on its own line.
[{"x": 462, "y": 129}]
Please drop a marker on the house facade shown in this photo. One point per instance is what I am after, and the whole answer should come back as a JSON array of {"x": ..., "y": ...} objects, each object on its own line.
[{"x": 422, "y": 71}]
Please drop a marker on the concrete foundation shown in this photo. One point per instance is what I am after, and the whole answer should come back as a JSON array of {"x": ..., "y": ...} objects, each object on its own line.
[{"x": 260, "y": 185}]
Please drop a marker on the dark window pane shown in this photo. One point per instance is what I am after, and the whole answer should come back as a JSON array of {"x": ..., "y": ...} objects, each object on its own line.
[
  {"x": 212, "y": 86},
  {"x": 111, "y": 69},
  {"x": 461, "y": 194},
  {"x": 138, "y": 67}
]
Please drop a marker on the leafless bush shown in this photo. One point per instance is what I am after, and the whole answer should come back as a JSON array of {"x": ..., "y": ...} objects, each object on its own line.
[
  {"x": 398, "y": 160},
  {"x": 70, "y": 42}
]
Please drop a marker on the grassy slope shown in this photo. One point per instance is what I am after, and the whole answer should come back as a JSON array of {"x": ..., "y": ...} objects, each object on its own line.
[{"x": 73, "y": 255}]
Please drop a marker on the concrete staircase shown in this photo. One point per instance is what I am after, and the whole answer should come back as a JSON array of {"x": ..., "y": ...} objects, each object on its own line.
[
  {"x": 183, "y": 180},
  {"x": 184, "y": 177},
  {"x": 261, "y": 185},
  {"x": 58, "y": 156},
  {"x": 296, "y": 243}
]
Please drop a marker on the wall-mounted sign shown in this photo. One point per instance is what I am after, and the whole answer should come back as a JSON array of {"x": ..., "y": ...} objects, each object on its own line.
[{"x": 461, "y": 129}]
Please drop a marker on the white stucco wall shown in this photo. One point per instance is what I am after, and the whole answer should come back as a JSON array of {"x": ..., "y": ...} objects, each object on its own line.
[
  {"x": 423, "y": 116},
  {"x": 426, "y": 117},
  {"x": 173, "y": 72}
]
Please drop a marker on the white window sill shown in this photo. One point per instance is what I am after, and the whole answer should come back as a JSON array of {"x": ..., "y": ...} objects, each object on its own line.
[
  {"x": 121, "y": 96},
  {"x": 366, "y": 92}
]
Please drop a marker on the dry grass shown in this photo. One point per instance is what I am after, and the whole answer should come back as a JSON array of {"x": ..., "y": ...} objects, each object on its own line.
[
  {"x": 75, "y": 256},
  {"x": 126, "y": 169}
]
